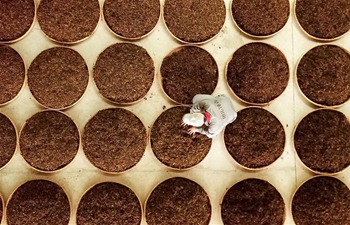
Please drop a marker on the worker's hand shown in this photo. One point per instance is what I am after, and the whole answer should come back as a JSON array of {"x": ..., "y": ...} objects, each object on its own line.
[{"x": 191, "y": 131}]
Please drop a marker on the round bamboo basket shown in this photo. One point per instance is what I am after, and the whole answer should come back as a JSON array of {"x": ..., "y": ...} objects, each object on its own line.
[
  {"x": 92, "y": 186},
  {"x": 23, "y": 84},
  {"x": 28, "y": 31},
  {"x": 252, "y": 35},
  {"x": 291, "y": 202},
  {"x": 247, "y": 102},
  {"x": 148, "y": 196},
  {"x": 19, "y": 186},
  {"x": 3, "y": 218},
  {"x": 119, "y": 172},
  {"x": 65, "y": 166},
  {"x": 167, "y": 166},
  {"x": 117, "y": 102},
  {"x": 17, "y": 144},
  {"x": 130, "y": 38},
  {"x": 309, "y": 35},
  {"x": 183, "y": 41},
  {"x": 72, "y": 42},
  {"x": 302, "y": 93},
  {"x": 66, "y": 107},
  {"x": 305, "y": 166},
  {"x": 263, "y": 167},
  {"x": 160, "y": 77},
  {"x": 227, "y": 189}
]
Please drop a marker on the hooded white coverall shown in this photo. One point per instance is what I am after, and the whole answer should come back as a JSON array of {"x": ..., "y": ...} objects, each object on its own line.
[{"x": 221, "y": 112}]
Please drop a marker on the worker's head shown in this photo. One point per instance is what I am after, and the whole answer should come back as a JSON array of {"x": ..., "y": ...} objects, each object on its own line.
[{"x": 194, "y": 119}]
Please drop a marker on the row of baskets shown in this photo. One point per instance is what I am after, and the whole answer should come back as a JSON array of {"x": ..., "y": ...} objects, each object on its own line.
[
  {"x": 114, "y": 140},
  {"x": 322, "y": 74},
  {"x": 141, "y": 18},
  {"x": 178, "y": 199}
]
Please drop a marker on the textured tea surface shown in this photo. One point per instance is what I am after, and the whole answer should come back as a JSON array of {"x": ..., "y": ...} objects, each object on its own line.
[
  {"x": 109, "y": 203},
  {"x": 323, "y": 75},
  {"x": 49, "y": 140},
  {"x": 252, "y": 201},
  {"x": 260, "y": 18},
  {"x": 16, "y": 18},
  {"x": 68, "y": 20},
  {"x": 321, "y": 201},
  {"x": 131, "y": 18},
  {"x": 8, "y": 140},
  {"x": 114, "y": 140},
  {"x": 188, "y": 71},
  {"x": 255, "y": 139},
  {"x": 12, "y": 74},
  {"x": 321, "y": 140},
  {"x": 323, "y": 19},
  {"x": 257, "y": 73},
  {"x": 178, "y": 201},
  {"x": 196, "y": 20},
  {"x": 124, "y": 73},
  {"x": 58, "y": 77},
  {"x": 38, "y": 202}
]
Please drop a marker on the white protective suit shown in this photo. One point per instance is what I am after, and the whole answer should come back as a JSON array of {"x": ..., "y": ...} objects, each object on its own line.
[{"x": 221, "y": 112}]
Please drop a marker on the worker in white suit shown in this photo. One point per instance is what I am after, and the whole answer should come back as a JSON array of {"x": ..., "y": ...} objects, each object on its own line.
[{"x": 209, "y": 115}]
